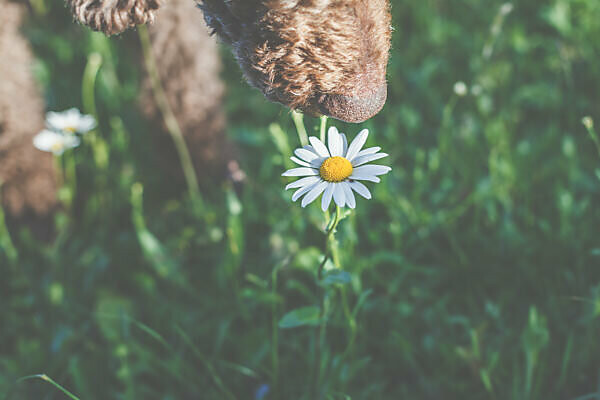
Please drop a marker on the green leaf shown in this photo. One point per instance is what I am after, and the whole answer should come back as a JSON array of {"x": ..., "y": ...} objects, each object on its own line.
[
  {"x": 336, "y": 277},
  {"x": 301, "y": 317},
  {"x": 362, "y": 299}
]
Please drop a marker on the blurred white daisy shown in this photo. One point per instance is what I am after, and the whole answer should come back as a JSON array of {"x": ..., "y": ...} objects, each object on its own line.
[
  {"x": 54, "y": 142},
  {"x": 335, "y": 170},
  {"x": 70, "y": 121},
  {"x": 461, "y": 89}
]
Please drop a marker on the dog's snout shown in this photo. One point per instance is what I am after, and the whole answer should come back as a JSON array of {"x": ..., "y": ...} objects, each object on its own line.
[{"x": 354, "y": 108}]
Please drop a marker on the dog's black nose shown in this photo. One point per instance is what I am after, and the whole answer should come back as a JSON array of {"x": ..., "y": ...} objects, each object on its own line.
[{"x": 354, "y": 108}]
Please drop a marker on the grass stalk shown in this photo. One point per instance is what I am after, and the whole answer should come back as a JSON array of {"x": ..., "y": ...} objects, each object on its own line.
[
  {"x": 275, "y": 332},
  {"x": 88, "y": 84},
  {"x": 588, "y": 122},
  {"x": 6, "y": 242},
  {"x": 169, "y": 118},
  {"x": 209, "y": 367},
  {"x": 46, "y": 378}
]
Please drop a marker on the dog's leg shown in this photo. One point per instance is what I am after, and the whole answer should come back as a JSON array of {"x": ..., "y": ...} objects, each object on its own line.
[
  {"x": 29, "y": 187},
  {"x": 189, "y": 65}
]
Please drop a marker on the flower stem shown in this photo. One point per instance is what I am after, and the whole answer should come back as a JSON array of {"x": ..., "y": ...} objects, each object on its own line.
[
  {"x": 170, "y": 121},
  {"x": 71, "y": 172},
  {"x": 323, "y": 128},
  {"x": 351, "y": 323},
  {"x": 300, "y": 128},
  {"x": 329, "y": 239},
  {"x": 322, "y": 330}
]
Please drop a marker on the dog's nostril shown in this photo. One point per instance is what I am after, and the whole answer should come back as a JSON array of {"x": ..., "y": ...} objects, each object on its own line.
[{"x": 354, "y": 108}]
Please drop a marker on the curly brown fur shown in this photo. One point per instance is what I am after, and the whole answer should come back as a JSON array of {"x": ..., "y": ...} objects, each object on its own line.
[
  {"x": 189, "y": 65},
  {"x": 113, "y": 16},
  {"x": 326, "y": 56},
  {"x": 319, "y": 56},
  {"x": 27, "y": 173}
]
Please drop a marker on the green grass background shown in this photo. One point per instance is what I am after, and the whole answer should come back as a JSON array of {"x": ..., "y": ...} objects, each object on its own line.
[{"x": 474, "y": 271}]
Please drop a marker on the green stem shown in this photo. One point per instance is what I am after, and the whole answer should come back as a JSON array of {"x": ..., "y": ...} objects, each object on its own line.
[
  {"x": 351, "y": 323},
  {"x": 46, "y": 378},
  {"x": 300, "y": 128},
  {"x": 211, "y": 370},
  {"x": 592, "y": 132},
  {"x": 275, "y": 333},
  {"x": 170, "y": 120},
  {"x": 320, "y": 343},
  {"x": 71, "y": 172},
  {"x": 89, "y": 84},
  {"x": 6, "y": 242},
  {"x": 329, "y": 237},
  {"x": 322, "y": 330},
  {"x": 62, "y": 181},
  {"x": 323, "y": 129}
]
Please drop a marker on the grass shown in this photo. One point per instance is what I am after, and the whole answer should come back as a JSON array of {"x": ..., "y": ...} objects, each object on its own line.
[{"x": 473, "y": 273}]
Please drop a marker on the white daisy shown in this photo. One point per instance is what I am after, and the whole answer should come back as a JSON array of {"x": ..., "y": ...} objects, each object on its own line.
[
  {"x": 70, "y": 121},
  {"x": 54, "y": 142},
  {"x": 335, "y": 170}
]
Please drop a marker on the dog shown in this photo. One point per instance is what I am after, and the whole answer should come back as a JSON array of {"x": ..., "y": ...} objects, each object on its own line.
[{"x": 319, "y": 56}]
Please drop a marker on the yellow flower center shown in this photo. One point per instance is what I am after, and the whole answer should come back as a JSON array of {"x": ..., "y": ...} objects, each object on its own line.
[
  {"x": 56, "y": 146},
  {"x": 335, "y": 169},
  {"x": 70, "y": 129}
]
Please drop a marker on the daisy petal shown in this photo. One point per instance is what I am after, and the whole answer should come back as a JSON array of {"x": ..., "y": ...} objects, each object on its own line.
[
  {"x": 319, "y": 147},
  {"x": 86, "y": 124},
  {"x": 335, "y": 142},
  {"x": 303, "y": 171},
  {"x": 370, "y": 178},
  {"x": 350, "y": 200},
  {"x": 360, "y": 189},
  {"x": 314, "y": 193},
  {"x": 55, "y": 142},
  {"x": 299, "y": 161},
  {"x": 309, "y": 180},
  {"x": 55, "y": 120},
  {"x": 306, "y": 155},
  {"x": 344, "y": 144},
  {"x": 357, "y": 144},
  {"x": 370, "y": 150},
  {"x": 302, "y": 191},
  {"x": 371, "y": 170},
  {"x": 338, "y": 195},
  {"x": 326, "y": 200},
  {"x": 360, "y": 160}
]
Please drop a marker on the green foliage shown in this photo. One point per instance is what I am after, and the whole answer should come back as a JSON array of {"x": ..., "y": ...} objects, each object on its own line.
[
  {"x": 474, "y": 273},
  {"x": 301, "y": 317}
]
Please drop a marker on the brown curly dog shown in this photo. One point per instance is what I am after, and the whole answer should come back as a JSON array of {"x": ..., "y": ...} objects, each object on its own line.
[{"x": 319, "y": 56}]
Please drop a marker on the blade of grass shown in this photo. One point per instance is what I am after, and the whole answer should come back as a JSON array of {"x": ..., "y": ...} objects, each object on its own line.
[
  {"x": 46, "y": 378},
  {"x": 209, "y": 367},
  {"x": 6, "y": 243},
  {"x": 170, "y": 121}
]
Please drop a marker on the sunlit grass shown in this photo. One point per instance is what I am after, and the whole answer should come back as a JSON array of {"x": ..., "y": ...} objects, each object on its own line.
[{"x": 472, "y": 274}]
